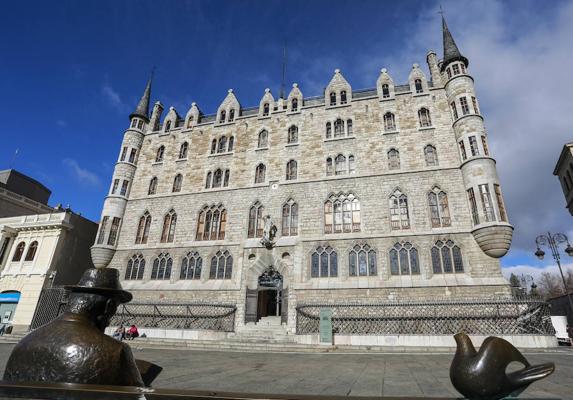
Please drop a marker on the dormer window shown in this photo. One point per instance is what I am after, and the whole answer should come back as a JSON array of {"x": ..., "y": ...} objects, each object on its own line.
[
  {"x": 385, "y": 91},
  {"x": 232, "y": 115},
  {"x": 463, "y": 68},
  {"x": 190, "y": 122},
  {"x": 343, "y": 97},
  {"x": 294, "y": 105},
  {"x": 140, "y": 124},
  {"x": 456, "y": 69},
  {"x": 168, "y": 126},
  {"x": 332, "y": 98},
  {"x": 133, "y": 123},
  {"x": 418, "y": 85},
  {"x": 222, "y": 116},
  {"x": 265, "y": 109}
]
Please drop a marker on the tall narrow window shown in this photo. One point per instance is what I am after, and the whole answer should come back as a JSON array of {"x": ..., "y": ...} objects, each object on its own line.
[
  {"x": 143, "y": 228},
  {"x": 260, "y": 173},
  {"x": 183, "y": 150},
  {"x": 169, "y": 223},
  {"x": 431, "y": 155},
  {"x": 449, "y": 71},
  {"x": 231, "y": 144},
  {"x": 263, "y": 139},
  {"x": 290, "y": 218},
  {"x": 214, "y": 146},
  {"x": 385, "y": 91},
  {"x": 266, "y": 109},
  {"x": 389, "y": 122},
  {"x": 19, "y": 251},
  {"x": 222, "y": 146},
  {"x": 232, "y": 115},
  {"x": 292, "y": 134},
  {"x": 485, "y": 195},
  {"x": 113, "y": 231},
  {"x": 351, "y": 165},
  {"x": 31, "y": 253},
  {"x": 208, "y": 180},
  {"x": 454, "y": 109},
  {"x": 168, "y": 126},
  {"x": 115, "y": 186},
  {"x": 343, "y": 97},
  {"x": 446, "y": 257},
  {"x": 474, "y": 146},
  {"x": 123, "y": 154},
  {"x": 338, "y": 128},
  {"x": 328, "y": 130},
  {"x": 439, "y": 208},
  {"x": 399, "y": 214},
  {"x": 424, "y": 117},
  {"x": 124, "y": 186},
  {"x": 191, "y": 266},
  {"x": 217, "y": 178},
  {"x": 222, "y": 116},
  {"x": 226, "y": 178},
  {"x": 177, "y": 182},
  {"x": 418, "y": 85},
  {"x": 393, "y": 159},
  {"x": 404, "y": 259},
  {"x": 349, "y": 131},
  {"x": 463, "y": 150},
  {"x": 362, "y": 261},
  {"x": 465, "y": 106},
  {"x": 500, "y": 205},
  {"x": 475, "y": 104},
  {"x": 102, "y": 230},
  {"x": 294, "y": 105},
  {"x": 332, "y": 98},
  {"x": 329, "y": 167},
  {"x": 221, "y": 265},
  {"x": 324, "y": 263},
  {"x": 340, "y": 165},
  {"x": 132, "y": 156},
  {"x": 162, "y": 265},
  {"x": 463, "y": 68},
  {"x": 291, "y": 170},
  {"x": 484, "y": 145},
  {"x": 159, "y": 155},
  {"x": 256, "y": 221},
  {"x": 456, "y": 69},
  {"x": 473, "y": 206},
  {"x": 135, "y": 267},
  {"x": 342, "y": 214},
  {"x": 211, "y": 223}
]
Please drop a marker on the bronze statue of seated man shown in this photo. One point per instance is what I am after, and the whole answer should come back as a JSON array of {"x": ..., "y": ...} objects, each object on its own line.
[{"x": 73, "y": 348}]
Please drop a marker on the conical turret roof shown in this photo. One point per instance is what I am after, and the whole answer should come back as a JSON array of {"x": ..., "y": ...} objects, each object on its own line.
[
  {"x": 142, "y": 109},
  {"x": 451, "y": 51}
]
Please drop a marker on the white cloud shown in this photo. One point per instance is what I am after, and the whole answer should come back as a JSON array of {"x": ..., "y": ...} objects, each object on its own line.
[
  {"x": 61, "y": 123},
  {"x": 535, "y": 272},
  {"x": 82, "y": 175},
  {"x": 113, "y": 98}
]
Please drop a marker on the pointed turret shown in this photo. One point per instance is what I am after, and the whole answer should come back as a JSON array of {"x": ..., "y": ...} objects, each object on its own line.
[
  {"x": 142, "y": 109},
  {"x": 451, "y": 51}
]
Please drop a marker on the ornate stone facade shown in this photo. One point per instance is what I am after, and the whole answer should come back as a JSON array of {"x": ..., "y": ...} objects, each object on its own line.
[{"x": 384, "y": 193}]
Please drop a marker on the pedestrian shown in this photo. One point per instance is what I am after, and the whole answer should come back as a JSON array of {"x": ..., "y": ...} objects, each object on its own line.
[
  {"x": 132, "y": 332},
  {"x": 119, "y": 333}
]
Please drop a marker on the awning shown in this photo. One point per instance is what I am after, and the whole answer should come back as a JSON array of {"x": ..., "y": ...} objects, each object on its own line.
[{"x": 9, "y": 297}]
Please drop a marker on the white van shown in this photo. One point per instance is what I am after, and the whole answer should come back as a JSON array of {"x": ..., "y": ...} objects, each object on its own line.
[{"x": 560, "y": 324}]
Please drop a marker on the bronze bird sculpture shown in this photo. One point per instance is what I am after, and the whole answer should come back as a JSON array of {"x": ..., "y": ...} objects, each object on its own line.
[{"x": 481, "y": 375}]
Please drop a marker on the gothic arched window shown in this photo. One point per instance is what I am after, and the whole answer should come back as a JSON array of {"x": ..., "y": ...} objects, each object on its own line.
[
  {"x": 211, "y": 223},
  {"x": 324, "y": 263},
  {"x": 169, "y": 223},
  {"x": 290, "y": 218},
  {"x": 389, "y": 122},
  {"x": 217, "y": 178},
  {"x": 222, "y": 146},
  {"x": 160, "y": 153},
  {"x": 177, "y": 182},
  {"x": 256, "y": 222},
  {"x": 385, "y": 91},
  {"x": 342, "y": 214},
  {"x": 349, "y": 131},
  {"x": 221, "y": 265},
  {"x": 343, "y": 97},
  {"x": 351, "y": 164},
  {"x": 231, "y": 143},
  {"x": 183, "y": 150},
  {"x": 362, "y": 261},
  {"x": 292, "y": 134},
  {"x": 152, "y": 186},
  {"x": 135, "y": 267},
  {"x": 393, "y": 159},
  {"x": 329, "y": 167},
  {"x": 404, "y": 259},
  {"x": 31, "y": 253},
  {"x": 231, "y": 115},
  {"x": 338, "y": 128},
  {"x": 263, "y": 139},
  {"x": 208, "y": 180},
  {"x": 424, "y": 117},
  {"x": 332, "y": 98},
  {"x": 446, "y": 257},
  {"x": 222, "y": 116},
  {"x": 291, "y": 170},
  {"x": 213, "y": 146},
  {"x": 19, "y": 251},
  {"x": 260, "y": 173},
  {"x": 168, "y": 126},
  {"x": 328, "y": 130},
  {"x": 266, "y": 109},
  {"x": 431, "y": 155},
  {"x": 340, "y": 165},
  {"x": 294, "y": 105},
  {"x": 161, "y": 269},
  {"x": 191, "y": 266},
  {"x": 143, "y": 228},
  {"x": 439, "y": 209},
  {"x": 399, "y": 215},
  {"x": 226, "y": 178},
  {"x": 418, "y": 85}
]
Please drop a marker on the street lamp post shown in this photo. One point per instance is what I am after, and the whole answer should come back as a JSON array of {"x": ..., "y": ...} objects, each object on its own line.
[{"x": 552, "y": 241}]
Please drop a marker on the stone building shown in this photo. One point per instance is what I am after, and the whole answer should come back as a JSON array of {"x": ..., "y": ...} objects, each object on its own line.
[
  {"x": 384, "y": 193},
  {"x": 564, "y": 171},
  {"x": 22, "y": 195}
]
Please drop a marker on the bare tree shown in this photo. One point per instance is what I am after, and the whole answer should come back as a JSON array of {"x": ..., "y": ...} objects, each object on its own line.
[{"x": 549, "y": 285}]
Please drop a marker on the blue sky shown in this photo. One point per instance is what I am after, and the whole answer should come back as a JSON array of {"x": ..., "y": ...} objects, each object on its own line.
[{"x": 73, "y": 71}]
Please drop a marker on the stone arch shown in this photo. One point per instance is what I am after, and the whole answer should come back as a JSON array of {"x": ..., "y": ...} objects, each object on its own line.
[{"x": 265, "y": 259}]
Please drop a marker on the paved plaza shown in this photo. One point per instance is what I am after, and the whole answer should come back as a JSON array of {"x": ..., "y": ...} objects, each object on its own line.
[{"x": 329, "y": 374}]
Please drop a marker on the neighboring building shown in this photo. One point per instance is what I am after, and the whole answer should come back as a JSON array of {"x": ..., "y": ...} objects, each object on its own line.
[
  {"x": 39, "y": 251},
  {"x": 22, "y": 195},
  {"x": 383, "y": 193},
  {"x": 564, "y": 171}
]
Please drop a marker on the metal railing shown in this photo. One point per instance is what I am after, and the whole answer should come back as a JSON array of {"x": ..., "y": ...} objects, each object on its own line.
[{"x": 442, "y": 317}]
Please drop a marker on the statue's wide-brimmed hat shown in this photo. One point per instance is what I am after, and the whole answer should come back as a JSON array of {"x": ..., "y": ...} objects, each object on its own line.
[{"x": 104, "y": 281}]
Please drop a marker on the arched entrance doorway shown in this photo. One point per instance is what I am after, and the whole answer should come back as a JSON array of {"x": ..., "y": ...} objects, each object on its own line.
[{"x": 269, "y": 299}]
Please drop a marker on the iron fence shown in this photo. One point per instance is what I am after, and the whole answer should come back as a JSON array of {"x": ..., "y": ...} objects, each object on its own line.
[
  {"x": 203, "y": 316},
  {"x": 443, "y": 317},
  {"x": 51, "y": 303}
]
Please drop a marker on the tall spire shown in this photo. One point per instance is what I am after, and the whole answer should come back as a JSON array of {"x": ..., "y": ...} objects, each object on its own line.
[
  {"x": 142, "y": 109},
  {"x": 451, "y": 51}
]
